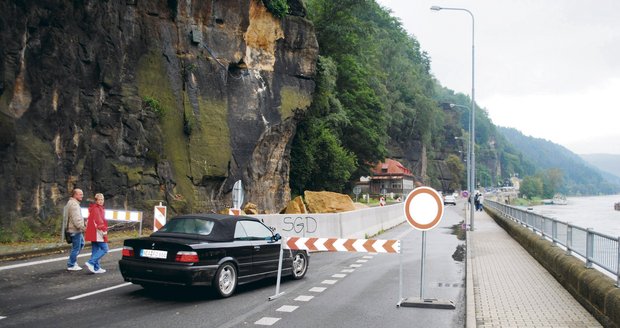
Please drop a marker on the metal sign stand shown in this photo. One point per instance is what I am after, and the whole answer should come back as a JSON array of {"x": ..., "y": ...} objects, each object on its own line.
[
  {"x": 423, "y": 213},
  {"x": 278, "y": 294},
  {"x": 421, "y": 301}
]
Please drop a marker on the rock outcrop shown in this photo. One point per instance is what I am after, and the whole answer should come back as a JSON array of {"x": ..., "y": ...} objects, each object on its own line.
[{"x": 149, "y": 101}]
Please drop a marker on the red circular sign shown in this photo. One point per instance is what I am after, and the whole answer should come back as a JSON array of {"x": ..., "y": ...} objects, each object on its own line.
[{"x": 423, "y": 208}]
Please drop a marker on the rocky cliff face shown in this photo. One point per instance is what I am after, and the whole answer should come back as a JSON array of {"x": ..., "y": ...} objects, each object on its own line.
[{"x": 149, "y": 101}]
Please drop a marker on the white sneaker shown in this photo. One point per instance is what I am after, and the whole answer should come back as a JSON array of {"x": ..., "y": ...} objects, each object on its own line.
[
  {"x": 90, "y": 267},
  {"x": 74, "y": 268},
  {"x": 100, "y": 270}
]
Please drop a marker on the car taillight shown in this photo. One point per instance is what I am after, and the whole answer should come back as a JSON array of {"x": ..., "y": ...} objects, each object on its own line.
[
  {"x": 187, "y": 257},
  {"x": 127, "y": 251}
]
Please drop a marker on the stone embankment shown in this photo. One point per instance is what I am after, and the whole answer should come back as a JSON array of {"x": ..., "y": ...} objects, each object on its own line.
[{"x": 594, "y": 290}]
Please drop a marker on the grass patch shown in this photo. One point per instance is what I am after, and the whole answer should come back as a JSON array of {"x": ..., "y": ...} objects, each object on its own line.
[{"x": 155, "y": 106}]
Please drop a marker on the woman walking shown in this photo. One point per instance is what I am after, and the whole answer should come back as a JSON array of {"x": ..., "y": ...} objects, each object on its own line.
[{"x": 97, "y": 234}]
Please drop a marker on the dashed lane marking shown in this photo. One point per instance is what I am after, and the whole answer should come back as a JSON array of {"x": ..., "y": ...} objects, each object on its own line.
[
  {"x": 304, "y": 298},
  {"x": 361, "y": 261},
  {"x": 329, "y": 282},
  {"x": 317, "y": 289},
  {"x": 1, "y": 317},
  {"x": 348, "y": 270},
  {"x": 267, "y": 321},
  {"x": 355, "y": 265},
  {"x": 367, "y": 257},
  {"x": 98, "y": 291},
  {"x": 339, "y": 275},
  {"x": 64, "y": 258},
  {"x": 287, "y": 308}
]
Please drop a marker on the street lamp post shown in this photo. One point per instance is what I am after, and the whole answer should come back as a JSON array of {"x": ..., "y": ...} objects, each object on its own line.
[{"x": 472, "y": 115}]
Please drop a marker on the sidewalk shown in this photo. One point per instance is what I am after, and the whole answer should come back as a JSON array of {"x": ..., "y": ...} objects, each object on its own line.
[{"x": 511, "y": 289}]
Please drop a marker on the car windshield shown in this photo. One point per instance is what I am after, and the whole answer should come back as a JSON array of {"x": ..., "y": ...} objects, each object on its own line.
[{"x": 189, "y": 225}]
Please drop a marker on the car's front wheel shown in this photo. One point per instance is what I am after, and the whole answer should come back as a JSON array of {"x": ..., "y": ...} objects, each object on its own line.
[
  {"x": 300, "y": 265},
  {"x": 225, "y": 281}
]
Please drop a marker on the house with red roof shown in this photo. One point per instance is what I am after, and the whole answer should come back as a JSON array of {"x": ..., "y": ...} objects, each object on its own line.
[{"x": 391, "y": 177}]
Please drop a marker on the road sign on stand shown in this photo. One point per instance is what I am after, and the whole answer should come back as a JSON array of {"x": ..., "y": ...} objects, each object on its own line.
[
  {"x": 423, "y": 210},
  {"x": 159, "y": 215},
  {"x": 357, "y": 190}
]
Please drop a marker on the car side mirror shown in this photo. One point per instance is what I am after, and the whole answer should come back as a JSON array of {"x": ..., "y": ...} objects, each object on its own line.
[{"x": 277, "y": 237}]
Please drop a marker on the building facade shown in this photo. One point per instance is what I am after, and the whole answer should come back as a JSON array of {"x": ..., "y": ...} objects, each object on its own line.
[{"x": 391, "y": 178}]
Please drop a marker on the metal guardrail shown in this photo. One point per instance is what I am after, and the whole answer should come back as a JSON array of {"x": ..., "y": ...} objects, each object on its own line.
[{"x": 591, "y": 246}]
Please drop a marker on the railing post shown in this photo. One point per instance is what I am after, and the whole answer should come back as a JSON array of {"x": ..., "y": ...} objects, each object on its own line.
[
  {"x": 569, "y": 239},
  {"x": 589, "y": 247},
  {"x": 618, "y": 266},
  {"x": 554, "y": 232}
]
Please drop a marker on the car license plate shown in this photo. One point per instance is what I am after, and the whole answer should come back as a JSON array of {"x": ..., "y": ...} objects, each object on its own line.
[{"x": 153, "y": 253}]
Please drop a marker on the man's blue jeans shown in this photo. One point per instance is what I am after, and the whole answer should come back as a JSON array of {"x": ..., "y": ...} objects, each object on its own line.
[
  {"x": 77, "y": 243},
  {"x": 99, "y": 249}
]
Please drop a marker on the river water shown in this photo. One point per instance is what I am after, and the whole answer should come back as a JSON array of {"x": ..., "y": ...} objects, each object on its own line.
[{"x": 596, "y": 212}]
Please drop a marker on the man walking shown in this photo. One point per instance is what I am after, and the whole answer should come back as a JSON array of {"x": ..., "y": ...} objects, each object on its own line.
[{"x": 75, "y": 226}]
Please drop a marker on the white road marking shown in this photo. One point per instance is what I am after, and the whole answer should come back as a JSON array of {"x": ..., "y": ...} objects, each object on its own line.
[
  {"x": 287, "y": 308},
  {"x": 73, "y": 298},
  {"x": 304, "y": 298},
  {"x": 367, "y": 257},
  {"x": 2, "y": 317},
  {"x": 339, "y": 275},
  {"x": 348, "y": 270},
  {"x": 355, "y": 265},
  {"x": 317, "y": 289},
  {"x": 329, "y": 282},
  {"x": 361, "y": 261},
  {"x": 266, "y": 321},
  {"x": 64, "y": 258}
]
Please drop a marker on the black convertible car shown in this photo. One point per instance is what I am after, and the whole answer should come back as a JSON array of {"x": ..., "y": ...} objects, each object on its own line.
[{"x": 209, "y": 250}]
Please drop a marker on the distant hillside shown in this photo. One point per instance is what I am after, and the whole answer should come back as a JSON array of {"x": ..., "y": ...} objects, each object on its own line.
[
  {"x": 609, "y": 163},
  {"x": 580, "y": 178}
]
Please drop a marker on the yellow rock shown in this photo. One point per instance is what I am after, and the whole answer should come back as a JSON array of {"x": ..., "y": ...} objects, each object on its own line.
[{"x": 327, "y": 202}]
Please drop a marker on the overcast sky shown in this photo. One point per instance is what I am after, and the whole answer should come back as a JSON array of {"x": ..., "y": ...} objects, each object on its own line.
[{"x": 548, "y": 68}]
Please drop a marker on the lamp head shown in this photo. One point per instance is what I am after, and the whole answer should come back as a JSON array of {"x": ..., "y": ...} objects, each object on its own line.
[{"x": 436, "y": 8}]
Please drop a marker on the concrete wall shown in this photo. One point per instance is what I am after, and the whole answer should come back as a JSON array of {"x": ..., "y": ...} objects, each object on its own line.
[
  {"x": 594, "y": 290},
  {"x": 355, "y": 224}
]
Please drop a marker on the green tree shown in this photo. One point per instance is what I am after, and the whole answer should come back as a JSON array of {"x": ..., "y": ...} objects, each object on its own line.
[
  {"x": 318, "y": 159},
  {"x": 552, "y": 180},
  {"x": 531, "y": 186}
]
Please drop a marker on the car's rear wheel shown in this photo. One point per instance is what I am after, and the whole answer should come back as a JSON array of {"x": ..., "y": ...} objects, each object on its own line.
[
  {"x": 225, "y": 281},
  {"x": 300, "y": 265}
]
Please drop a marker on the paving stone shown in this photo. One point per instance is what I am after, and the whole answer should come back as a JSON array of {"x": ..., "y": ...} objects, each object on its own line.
[{"x": 512, "y": 289}]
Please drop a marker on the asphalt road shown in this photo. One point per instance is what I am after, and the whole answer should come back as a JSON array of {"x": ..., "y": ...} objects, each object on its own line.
[{"x": 340, "y": 290}]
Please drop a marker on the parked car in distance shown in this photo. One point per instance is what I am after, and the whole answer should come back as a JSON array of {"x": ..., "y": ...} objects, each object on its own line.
[
  {"x": 449, "y": 199},
  {"x": 214, "y": 250}
]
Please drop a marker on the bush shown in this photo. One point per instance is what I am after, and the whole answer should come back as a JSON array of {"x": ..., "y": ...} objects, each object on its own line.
[
  {"x": 155, "y": 106},
  {"x": 278, "y": 8}
]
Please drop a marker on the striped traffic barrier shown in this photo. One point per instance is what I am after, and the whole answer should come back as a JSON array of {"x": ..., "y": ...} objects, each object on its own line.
[
  {"x": 343, "y": 245},
  {"x": 117, "y": 215},
  {"x": 159, "y": 217},
  {"x": 334, "y": 245},
  {"x": 114, "y": 215}
]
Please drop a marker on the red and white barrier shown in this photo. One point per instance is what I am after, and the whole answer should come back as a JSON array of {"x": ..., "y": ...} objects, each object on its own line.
[
  {"x": 113, "y": 215},
  {"x": 159, "y": 217},
  {"x": 343, "y": 245}
]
